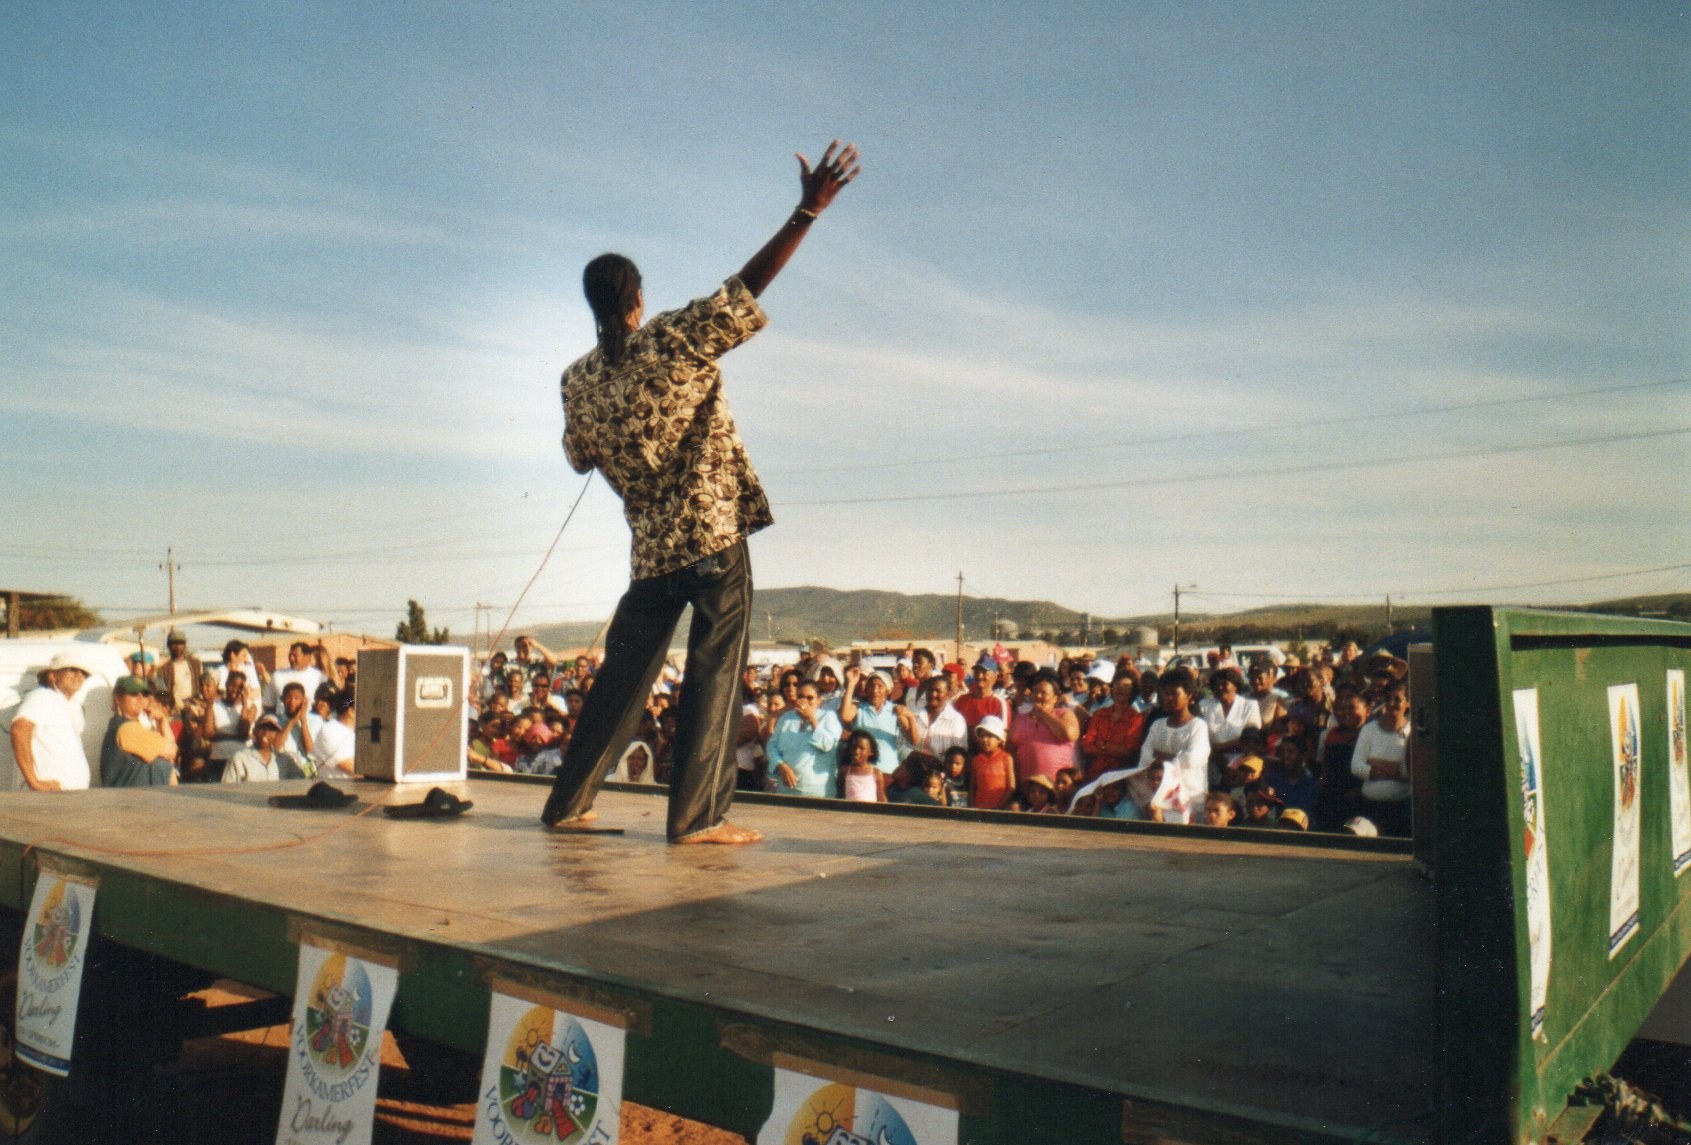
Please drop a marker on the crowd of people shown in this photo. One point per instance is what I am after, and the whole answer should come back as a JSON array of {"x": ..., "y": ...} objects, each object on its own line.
[
  {"x": 176, "y": 720},
  {"x": 1272, "y": 743},
  {"x": 1318, "y": 746}
]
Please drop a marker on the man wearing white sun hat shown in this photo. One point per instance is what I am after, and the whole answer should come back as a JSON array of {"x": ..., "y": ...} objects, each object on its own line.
[{"x": 47, "y": 730}]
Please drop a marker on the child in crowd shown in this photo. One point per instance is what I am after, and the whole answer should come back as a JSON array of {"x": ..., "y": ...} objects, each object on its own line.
[
  {"x": 1036, "y": 791},
  {"x": 1115, "y": 799},
  {"x": 635, "y": 766},
  {"x": 861, "y": 781},
  {"x": 956, "y": 777},
  {"x": 919, "y": 779},
  {"x": 1341, "y": 791},
  {"x": 1291, "y": 779},
  {"x": 1294, "y": 819},
  {"x": 1157, "y": 791},
  {"x": 992, "y": 771},
  {"x": 1260, "y": 805},
  {"x": 1219, "y": 810},
  {"x": 1063, "y": 786}
]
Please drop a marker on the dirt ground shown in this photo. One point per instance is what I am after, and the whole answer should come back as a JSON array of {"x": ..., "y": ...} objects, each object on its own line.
[{"x": 230, "y": 1089}]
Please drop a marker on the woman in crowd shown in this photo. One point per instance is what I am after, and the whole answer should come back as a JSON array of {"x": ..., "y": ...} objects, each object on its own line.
[
  {"x": 1228, "y": 714},
  {"x": 1043, "y": 736},
  {"x": 1264, "y": 694},
  {"x": 1180, "y": 739},
  {"x": 876, "y": 714},
  {"x": 1115, "y": 734},
  {"x": 801, "y": 750},
  {"x": 1381, "y": 761}
]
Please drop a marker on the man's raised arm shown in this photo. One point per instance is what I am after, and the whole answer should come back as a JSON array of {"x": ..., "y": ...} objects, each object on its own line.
[{"x": 817, "y": 189}]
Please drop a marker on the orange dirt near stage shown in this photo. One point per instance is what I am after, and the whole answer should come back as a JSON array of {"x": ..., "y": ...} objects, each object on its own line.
[{"x": 230, "y": 1089}]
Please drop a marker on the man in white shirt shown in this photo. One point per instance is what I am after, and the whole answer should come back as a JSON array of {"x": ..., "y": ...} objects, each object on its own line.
[
  {"x": 237, "y": 658},
  {"x": 47, "y": 730},
  {"x": 300, "y": 670},
  {"x": 939, "y": 726},
  {"x": 337, "y": 742}
]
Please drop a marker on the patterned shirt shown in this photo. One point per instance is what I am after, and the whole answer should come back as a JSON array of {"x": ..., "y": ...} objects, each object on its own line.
[{"x": 658, "y": 427}]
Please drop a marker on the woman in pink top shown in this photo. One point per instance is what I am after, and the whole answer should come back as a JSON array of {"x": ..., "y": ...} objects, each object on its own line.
[{"x": 1043, "y": 736}]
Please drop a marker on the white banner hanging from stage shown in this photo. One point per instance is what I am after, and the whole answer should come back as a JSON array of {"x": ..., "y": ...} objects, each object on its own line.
[
  {"x": 1626, "y": 746},
  {"x": 50, "y": 962},
  {"x": 341, "y": 1003},
  {"x": 812, "y": 1109},
  {"x": 1679, "y": 772},
  {"x": 1529, "y": 752},
  {"x": 550, "y": 1075}
]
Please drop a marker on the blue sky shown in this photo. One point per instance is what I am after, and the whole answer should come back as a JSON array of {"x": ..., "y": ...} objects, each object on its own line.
[{"x": 1305, "y": 301}]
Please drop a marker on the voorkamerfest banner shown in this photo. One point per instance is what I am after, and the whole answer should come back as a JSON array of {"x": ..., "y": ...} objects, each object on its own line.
[
  {"x": 341, "y": 1004},
  {"x": 549, "y": 1076},
  {"x": 1626, "y": 746},
  {"x": 811, "y": 1110},
  {"x": 50, "y": 962}
]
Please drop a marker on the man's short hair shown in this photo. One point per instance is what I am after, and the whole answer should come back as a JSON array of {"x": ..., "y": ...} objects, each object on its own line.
[
  {"x": 294, "y": 686},
  {"x": 231, "y": 648}
]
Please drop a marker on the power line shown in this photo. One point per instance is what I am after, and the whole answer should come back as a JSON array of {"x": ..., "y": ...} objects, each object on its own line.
[
  {"x": 1396, "y": 592},
  {"x": 1254, "y": 474},
  {"x": 1254, "y": 430}
]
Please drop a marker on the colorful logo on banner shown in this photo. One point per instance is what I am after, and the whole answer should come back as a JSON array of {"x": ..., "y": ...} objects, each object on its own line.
[
  {"x": 58, "y": 930},
  {"x": 845, "y": 1115},
  {"x": 814, "y": 1111},
  {"x": 341, "y": 1007},
  {"x": 549, "y": 1076},
  {"x": 337, "y": 1017},
  {"x": 50, "y": 963},
  {"x": 1537, "y": 851},
  {"x": 1679, "y": 772},
  {"x": 1628, "y": 760}
]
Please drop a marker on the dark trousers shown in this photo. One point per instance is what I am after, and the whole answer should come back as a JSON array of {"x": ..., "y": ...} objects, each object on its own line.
[{"x": 702, "y": 787}]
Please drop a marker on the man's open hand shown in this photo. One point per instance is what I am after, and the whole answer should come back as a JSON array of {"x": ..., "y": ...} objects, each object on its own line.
[{"x": 824, "y": 182}]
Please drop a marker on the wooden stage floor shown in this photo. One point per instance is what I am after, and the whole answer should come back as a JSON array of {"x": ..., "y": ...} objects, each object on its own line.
[{"x": 1283, "y": 984}]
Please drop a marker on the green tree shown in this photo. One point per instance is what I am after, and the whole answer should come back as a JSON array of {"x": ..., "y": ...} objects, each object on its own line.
[
  {"x": 414, "y": 629},
  {"x": 54, "y": 612}
]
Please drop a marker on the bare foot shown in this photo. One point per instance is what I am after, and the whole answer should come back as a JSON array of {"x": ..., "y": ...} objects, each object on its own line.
[
  {"x": 726, "y": 834},
  {"x": 585, "y": 823}
]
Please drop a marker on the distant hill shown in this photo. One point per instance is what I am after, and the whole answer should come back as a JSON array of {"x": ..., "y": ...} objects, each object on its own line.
[{"x": 840, "y": 616}]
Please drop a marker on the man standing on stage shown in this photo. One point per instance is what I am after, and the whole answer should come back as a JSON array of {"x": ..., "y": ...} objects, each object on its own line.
[{"x": 646, "y": 409}]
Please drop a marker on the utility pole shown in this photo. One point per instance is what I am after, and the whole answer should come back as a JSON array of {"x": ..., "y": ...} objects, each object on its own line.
[
  {"x": 959, "y": 656},
  {"x": 1177, "y": 589},
  {"x": 1388, "y": 614},
  {"x": 995, "y": 636},
  {"x": 769, "y": 623},
  {"x": 170, "y": 566},
  {"x": 475, "y": 639}
]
